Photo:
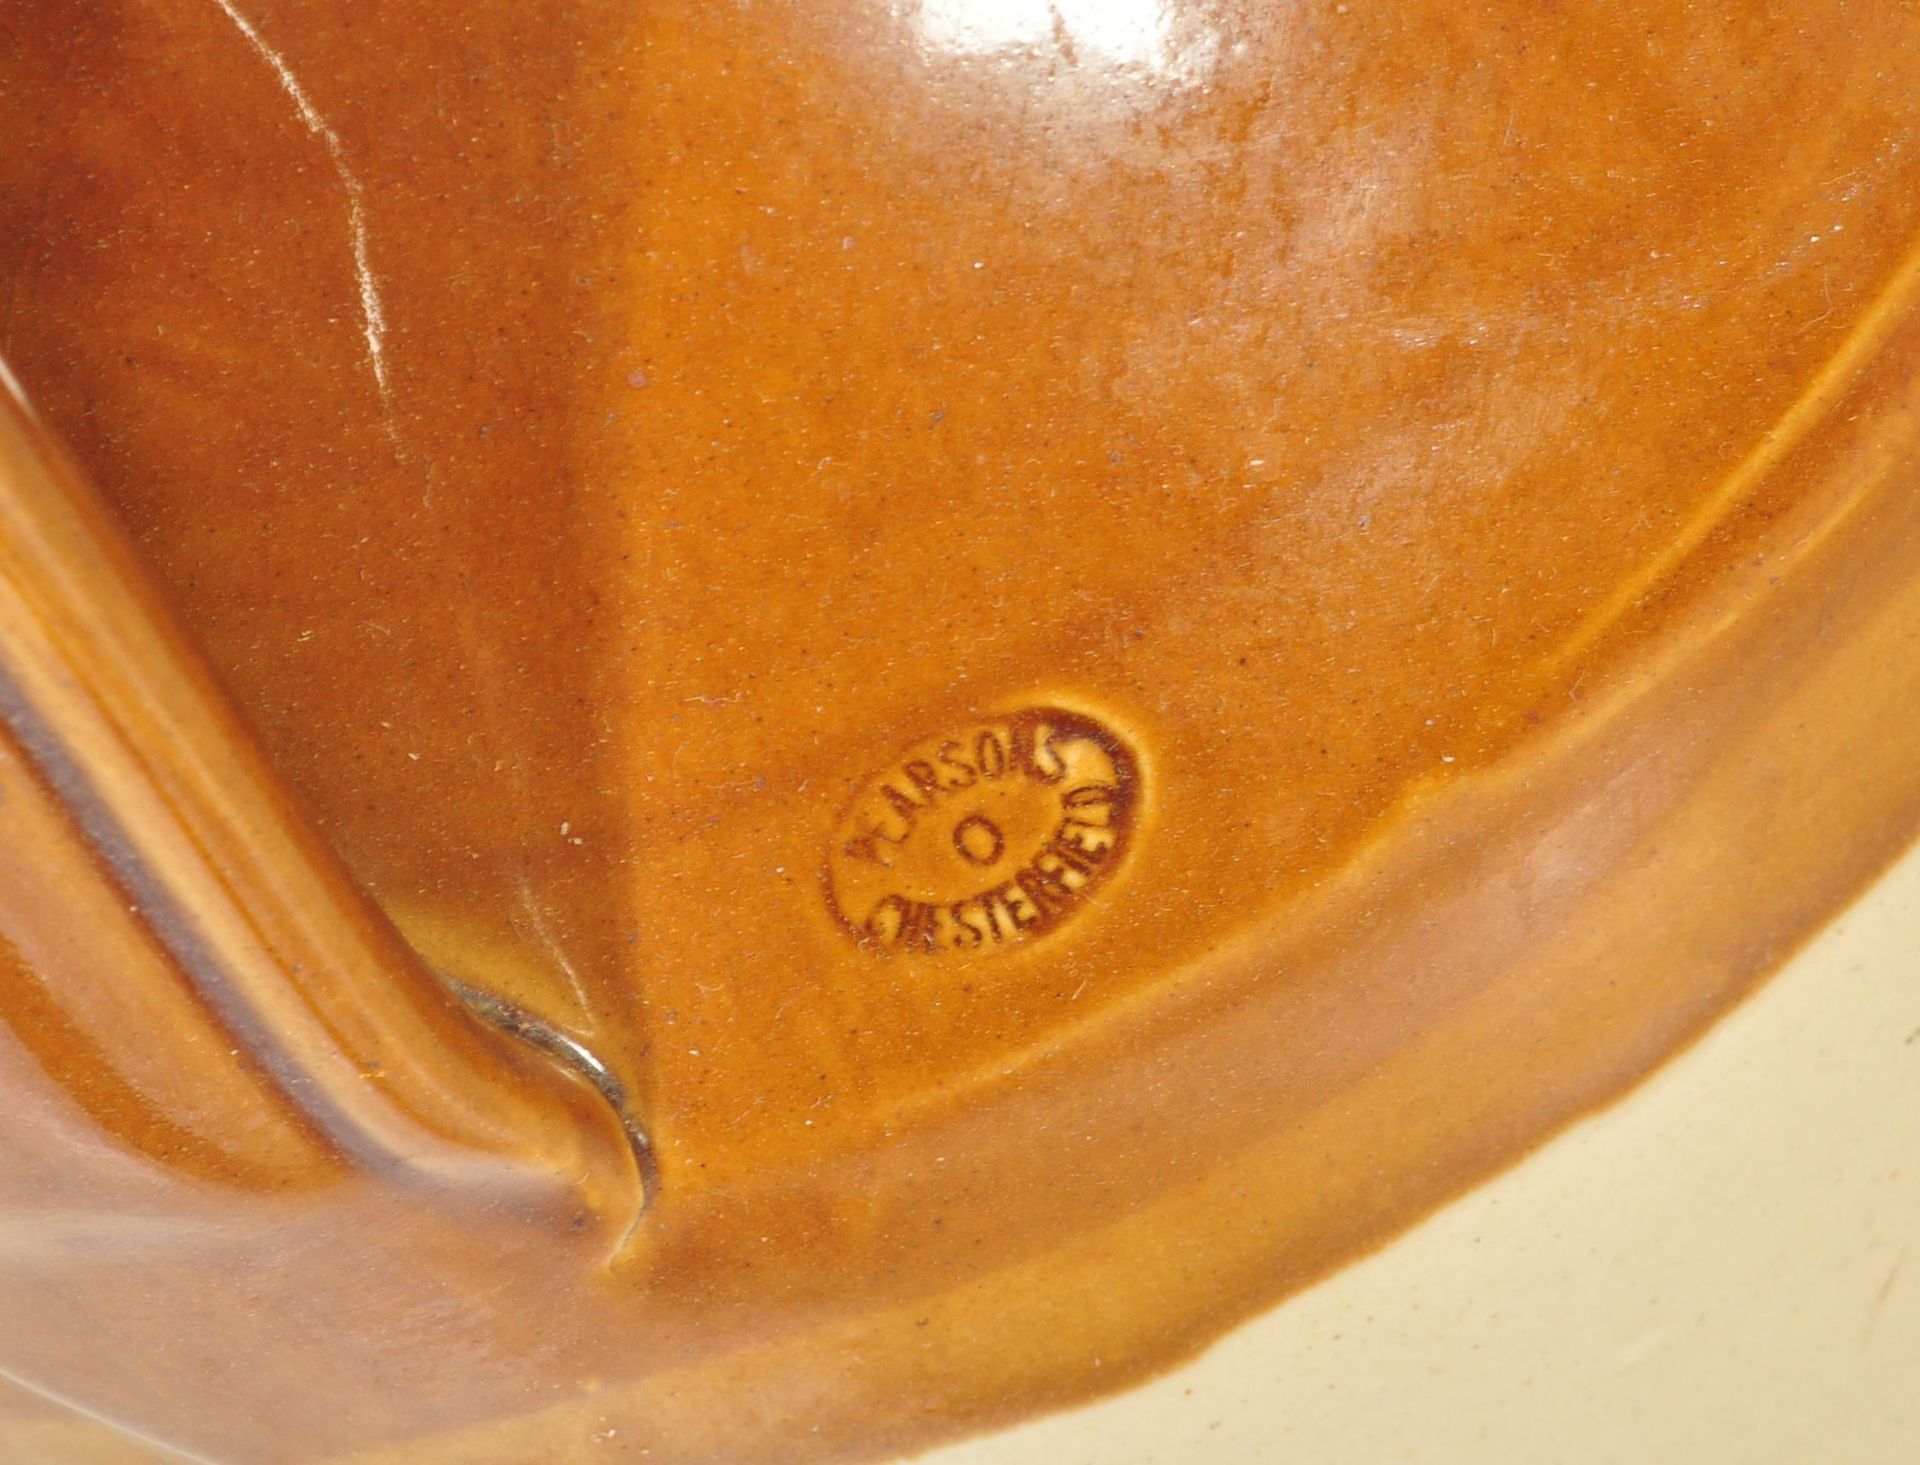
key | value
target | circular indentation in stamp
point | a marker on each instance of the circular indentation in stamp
(986, 837)
(979, 840)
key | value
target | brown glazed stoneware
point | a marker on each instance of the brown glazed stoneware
(770, 731)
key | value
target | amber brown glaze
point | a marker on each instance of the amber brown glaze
(1461, 456)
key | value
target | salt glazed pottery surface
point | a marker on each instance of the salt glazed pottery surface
(781, 731)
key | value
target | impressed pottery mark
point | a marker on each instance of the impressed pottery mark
(985, 838)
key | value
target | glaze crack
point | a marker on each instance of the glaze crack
(516, 1021)
(372, 311)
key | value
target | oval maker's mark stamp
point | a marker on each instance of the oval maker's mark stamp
(987, 837)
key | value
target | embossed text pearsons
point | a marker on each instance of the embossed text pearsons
(987, 837)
